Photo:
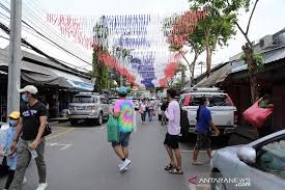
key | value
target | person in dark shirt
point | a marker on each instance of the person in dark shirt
(163, 109)
(203, 127)
(29, 137)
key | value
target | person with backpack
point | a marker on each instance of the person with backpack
(29, 138)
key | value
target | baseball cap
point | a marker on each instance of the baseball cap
(29, 88)
(14, 115)
(123, 90)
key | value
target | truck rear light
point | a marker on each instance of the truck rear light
(235, 117)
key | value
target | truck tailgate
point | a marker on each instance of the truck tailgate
(221, 115)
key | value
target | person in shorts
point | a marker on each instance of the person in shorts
(204, 124)
(171, 141)
(124, 111)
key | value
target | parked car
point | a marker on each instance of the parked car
(3, 129)
(259, 165)
(224, 113)
(91, 107)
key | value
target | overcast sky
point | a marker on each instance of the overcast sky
(268, 19)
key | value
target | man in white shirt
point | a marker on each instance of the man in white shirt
(171, 141)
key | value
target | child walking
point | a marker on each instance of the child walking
(8, 137)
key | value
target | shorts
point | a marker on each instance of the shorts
(172, 141)
(203, 141)
(123, 140)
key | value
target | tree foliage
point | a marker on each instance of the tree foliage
(100, 73)
(217, 27)
(100, 70)
(254, 62)
(194, 37)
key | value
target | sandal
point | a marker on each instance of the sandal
(169, 167)
(196, 163)
(176, 170)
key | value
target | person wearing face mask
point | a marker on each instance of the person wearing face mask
(29, 138)
(11, 160)
(203, 127)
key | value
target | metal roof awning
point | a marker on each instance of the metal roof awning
(41, 75)
(216, 77)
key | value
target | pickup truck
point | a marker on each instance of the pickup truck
(223, 111)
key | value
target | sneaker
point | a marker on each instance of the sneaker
(120, 164)
(25, 180)
(42, 186)
(125, 164)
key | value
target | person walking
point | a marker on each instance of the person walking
(171, 141)
(29, 138)
(204, 124)
(150, 109)
(124, 111)
(142, 111)
(7, 139)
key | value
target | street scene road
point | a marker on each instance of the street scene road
(210, 73)
(81, 158)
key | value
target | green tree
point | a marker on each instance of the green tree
(231, 8)
(100, 73)
(100, 70)
(217, 27)
(195, 39)
(254, 61)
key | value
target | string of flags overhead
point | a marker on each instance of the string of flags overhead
(145, 36)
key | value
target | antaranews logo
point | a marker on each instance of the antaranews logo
(197, 182)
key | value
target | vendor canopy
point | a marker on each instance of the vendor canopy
(39, 74)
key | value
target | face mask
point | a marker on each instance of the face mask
(13, 123)
(25, 97)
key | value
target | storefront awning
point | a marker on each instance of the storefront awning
(38, 74)
(216, 77)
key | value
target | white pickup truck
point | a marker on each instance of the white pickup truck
(223, 111)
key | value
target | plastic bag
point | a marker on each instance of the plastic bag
(256, 115)
(113, 133)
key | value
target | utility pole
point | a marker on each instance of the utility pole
(15, 56)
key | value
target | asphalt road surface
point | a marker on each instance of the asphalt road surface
(80, 158)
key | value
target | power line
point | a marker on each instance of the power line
(39, 33)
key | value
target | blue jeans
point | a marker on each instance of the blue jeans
(143, 115)
(150, 114)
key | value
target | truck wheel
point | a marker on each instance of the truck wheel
(99, 121)
(73, 122)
